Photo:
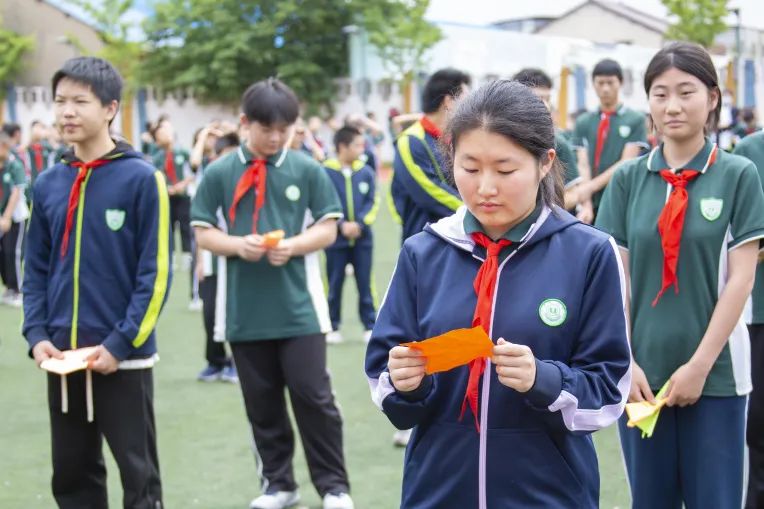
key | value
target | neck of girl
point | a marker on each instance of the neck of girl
(680, 152)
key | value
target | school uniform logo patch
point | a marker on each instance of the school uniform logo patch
(553, 312)
(711, 208)
(363, 187)
(292, 193)
(179, 160)
(624, 131)
(7, 178)
(115, 219)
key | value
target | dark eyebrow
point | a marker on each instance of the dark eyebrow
(473, 158)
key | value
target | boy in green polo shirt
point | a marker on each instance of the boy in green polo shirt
(276, 315)
(752, 147)
(605, 138)
(12, 183)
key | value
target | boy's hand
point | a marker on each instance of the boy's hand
(515, 365)
(45, 350)
(251, 248)
(407, 368)
(351, 230)
(5, 224)
(280, 255)
(102, 361)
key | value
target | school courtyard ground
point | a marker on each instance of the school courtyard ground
(204, 440)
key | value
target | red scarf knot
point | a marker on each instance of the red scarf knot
(485, 285)
(74, 197)
(253, 178)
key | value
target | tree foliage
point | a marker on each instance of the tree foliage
(698, 21)
(400, 34)
(12, 49)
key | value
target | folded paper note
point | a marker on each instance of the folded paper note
(453, 349)
(272, 239)
(644, 415)
(74, 360)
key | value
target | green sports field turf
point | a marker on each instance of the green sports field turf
(204, 441)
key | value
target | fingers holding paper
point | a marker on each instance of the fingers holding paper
(686, 385)
(102, 361)
(45, 350)
(406, 367)
(515, 365)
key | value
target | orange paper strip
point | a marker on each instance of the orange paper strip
(272, 239)
(453, 349)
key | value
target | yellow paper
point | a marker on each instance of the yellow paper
(644, 415)
(74, 360)
(454, 348)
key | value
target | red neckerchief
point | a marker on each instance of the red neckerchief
(169, 166)
(671, 223)
(430, 128)
(602, 129)
(74, 196)
(485, 285)
(38, 159)
(252, 178)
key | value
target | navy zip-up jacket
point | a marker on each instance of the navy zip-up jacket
(561, 294)
(112, 283)
(419, 189)
(357, 192)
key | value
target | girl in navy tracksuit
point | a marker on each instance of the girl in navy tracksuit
(549, 292)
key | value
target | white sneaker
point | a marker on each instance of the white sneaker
(334, 337)
(401, 438)
(339, 501)
(366, 336)
(277, 500)
(13, 299)
(195, 305)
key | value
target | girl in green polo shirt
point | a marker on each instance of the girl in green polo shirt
(686, 307)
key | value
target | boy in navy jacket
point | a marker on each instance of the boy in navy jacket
(97, 274)
(355, 186)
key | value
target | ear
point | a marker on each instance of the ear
(546, 166)
(111, 110)
(713, 98)
(243, 120)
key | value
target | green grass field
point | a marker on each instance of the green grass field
(204, 440)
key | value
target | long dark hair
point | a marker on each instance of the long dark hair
(692, 59)
(512, 110)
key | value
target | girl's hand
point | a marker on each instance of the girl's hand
(686, 385)
(407, 368)
(640, 389)
(515, 365)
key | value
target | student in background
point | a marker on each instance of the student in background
(355, 184)
(605, 138)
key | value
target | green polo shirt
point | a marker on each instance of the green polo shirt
(12, 176)
(752, 147)
(263, 301)
(516, 234)
(567, 158)
(626, 126)
(725, 210)
(182, 163)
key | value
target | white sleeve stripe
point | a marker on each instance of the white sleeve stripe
(578, 419)
(380, 388)
(202, 224)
